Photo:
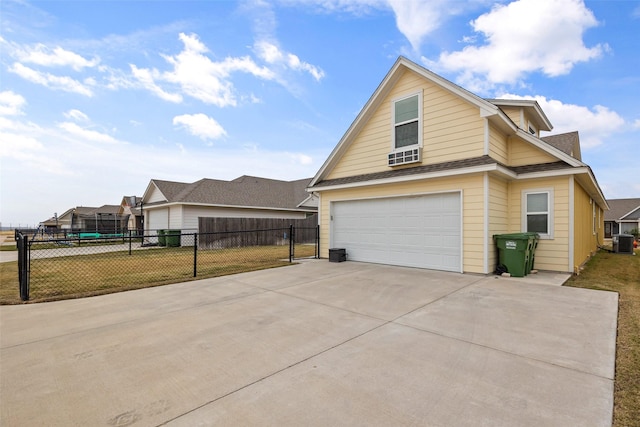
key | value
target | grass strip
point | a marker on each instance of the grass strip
(620, 273)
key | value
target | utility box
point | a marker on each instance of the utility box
(623, 243)
(337, 255)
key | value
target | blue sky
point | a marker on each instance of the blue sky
(99, 97)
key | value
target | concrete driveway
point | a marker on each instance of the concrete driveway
(315, 344)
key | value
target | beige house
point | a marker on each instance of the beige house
(428, 173)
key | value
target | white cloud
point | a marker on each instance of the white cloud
(204, 79)
(272, 54)
(200, 125)
(198, 76)
(76, 115)
(64, 83)
(521, 37)
(11, 103)
(595, 125)
(636, 123)
(87, 134)
(300, 158)
(415, 19)
(56, 57)
(146, 79)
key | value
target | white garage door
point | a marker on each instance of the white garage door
(419, 231)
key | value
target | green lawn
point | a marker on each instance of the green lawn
(621, 274)
(95, 274)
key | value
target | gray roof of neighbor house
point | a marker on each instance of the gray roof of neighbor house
(245, 191)
(568, 143)
(620, 208)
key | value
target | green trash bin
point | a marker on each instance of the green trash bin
(173, 238)
(514, 251)
(533, 244)
(162, 240)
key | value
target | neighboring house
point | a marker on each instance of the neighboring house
(428, 172)
(623, 217)
(130, 206)
(105, 219)
(178, 205)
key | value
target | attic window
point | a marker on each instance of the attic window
(532, 130)
(406, 122)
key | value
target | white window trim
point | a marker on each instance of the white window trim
(550, 215)
(393, 122)
(593, 217)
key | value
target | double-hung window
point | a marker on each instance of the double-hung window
(407, 130)
(406, 112)
(537, 212)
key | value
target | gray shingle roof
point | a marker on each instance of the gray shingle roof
(620, 207)
(245, 190)
(457, 164)
(568, 143)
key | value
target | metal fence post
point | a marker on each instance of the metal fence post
(195, 254)
(23, 266)
(129, 242)
(318, 241)
(291, 243)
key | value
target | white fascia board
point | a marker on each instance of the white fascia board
(552, 173)
(416, 177)
(208, 205)
(359, 121)
(151, 183)
(629, 213)
(532, 103)
(549, 149)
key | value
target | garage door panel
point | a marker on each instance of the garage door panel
(422, 231)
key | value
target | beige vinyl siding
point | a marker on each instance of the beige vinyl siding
(585, 242)
(498, 145)
(498, 215)
(515, 114)
(472, 210)
(175, 217)
(452, 130)
(551, 254)
(155, 196)
(522, 153)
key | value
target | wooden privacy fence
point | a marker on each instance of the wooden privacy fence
(218, 233)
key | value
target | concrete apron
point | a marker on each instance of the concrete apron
(314, 344)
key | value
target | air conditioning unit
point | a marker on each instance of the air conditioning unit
(622, 243)
(403, 157)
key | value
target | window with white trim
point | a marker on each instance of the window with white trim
(407, 122)
(593, 219)
(537, 212)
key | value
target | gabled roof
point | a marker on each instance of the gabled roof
(89, 210)
(531, 105)
(487, 109)
(244, 191)
(568, 143)
(621, 208)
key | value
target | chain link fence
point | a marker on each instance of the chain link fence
(78, 267)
